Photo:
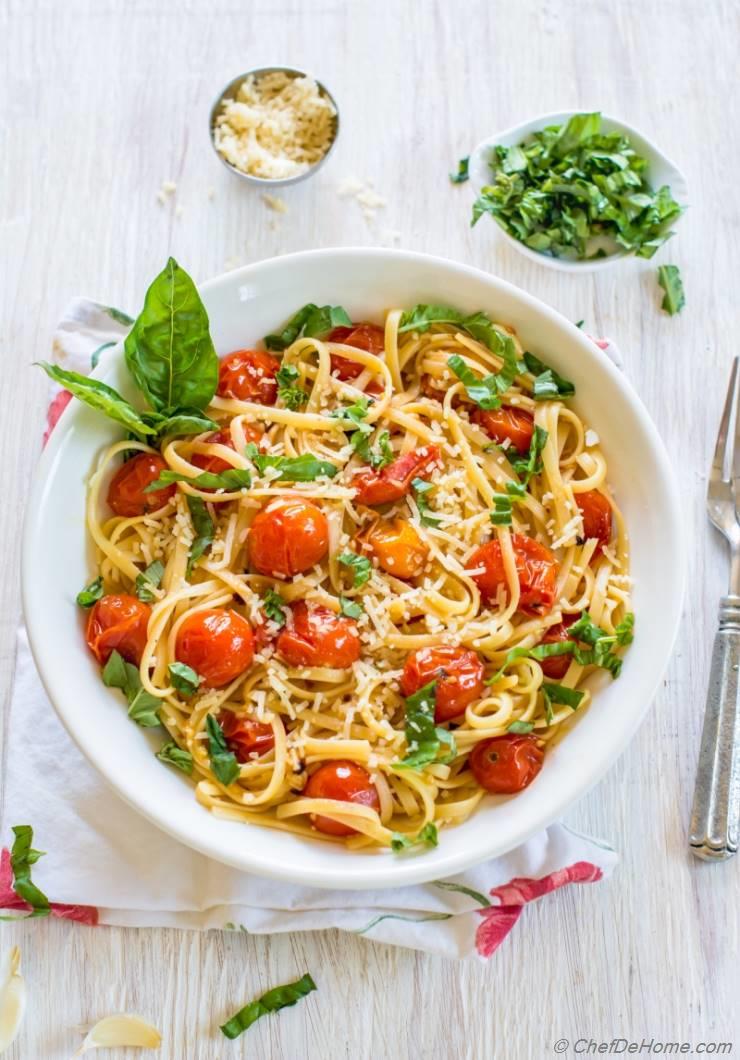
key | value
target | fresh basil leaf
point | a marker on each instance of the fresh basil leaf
(531, 464)
(22, 857)
(236, 478)
(548, 383)
(274, 607)
(293, 397)
(312, 321)
(361, 567)
(223, 761)
(101, 397)
(176, 756)
(204, 530)
(303, 468)
(275, 999)
(421, 317)
(143, 708)
(185, 421)
(426, 837)
(148, 580)
(169, 350)
(350, 608)
(554, 693)
(184, 678)
(91, 593)
(520, 727)
(461, 174)
(421, 487)
(674, 299)
(291, 331)
(423, 737)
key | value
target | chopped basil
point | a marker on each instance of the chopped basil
(274, 605)
(275, 999)
(426, 837)
(293, 397)
(91, 593)
(421, 317)
(236, 478)
(149, 580)
(423, 737)
(554, 693)
(547, 383)
(539, 652)
(303, 468)
(223, 761)
(361, 567)
(385, 454)
(176, 756)
(520, 726)
(624, 630)
(461, 174)
(501, 514)
(486, 391)
(350, 608)
(531, 464)
(22, 857)
(355, 413)
(421, 487)
(184, 678)
(143, 708)
(313, 321)
(204, 530)
(669, 278)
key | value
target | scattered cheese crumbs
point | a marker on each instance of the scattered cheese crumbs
(121, 1030)
(211, 193)
(591, 437)
(275, 203)
(167, 188)
(364, 194)
(277, 126)
(178, 211)
(12, 999)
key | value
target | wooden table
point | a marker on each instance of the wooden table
(104, 101)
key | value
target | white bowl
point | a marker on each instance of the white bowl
(661, 170)
(244, 305)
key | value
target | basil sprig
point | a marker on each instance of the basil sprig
(310, 321)
(423, 738)
(427, 837)
(204, 530)
(176, 756)
(91, 593)
(143, 708)
(223, 761)
(674, 299)
(22, 857)
(148, 581)
(275, 999)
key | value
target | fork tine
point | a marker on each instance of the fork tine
(736, 444)
(720, 451)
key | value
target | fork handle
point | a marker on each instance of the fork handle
(715, 818)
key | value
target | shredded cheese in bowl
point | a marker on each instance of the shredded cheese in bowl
(277, 125)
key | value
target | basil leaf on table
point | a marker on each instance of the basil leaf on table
(176, 756)
(674, 299)
(275, 999)
(461, 174)
(223, 761)
(204, 530)
(169, 350)
(423, 737)
(22, 857)
(143, 708)
(101, 397)
(91, 593)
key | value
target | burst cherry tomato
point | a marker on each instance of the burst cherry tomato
(507, 422)
(536, 567)
(367, 337)
(118, 622)
(126, 494)
(245, 736)
(394, 480)
(556, 666)
(287, 537)
(216, 465)
(398, 548)
(507, 764)
(597, 516)
(345, 782)
(457, 672)
(249, 375)
(316, 636)
(217, 644)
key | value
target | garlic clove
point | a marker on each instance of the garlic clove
(12, 999)
(121, 1030)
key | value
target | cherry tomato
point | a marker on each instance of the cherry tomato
(536, 567)
(363, 337)
(597, 516)
(216, 465)
(287, 537)
(245, 736)
(217, 644)
(507, 764)
(345, 782)
(118, 622)
(316, 636)
(556, 666)
(126, 491)
(398, 548)
(457, 671)
(507, 422)
(249, 375)
(393, 481)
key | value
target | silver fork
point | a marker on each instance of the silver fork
(715, 817)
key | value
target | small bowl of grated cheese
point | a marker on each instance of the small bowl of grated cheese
(274, 125)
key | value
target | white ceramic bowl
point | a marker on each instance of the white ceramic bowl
(661, 170)
(243, 306)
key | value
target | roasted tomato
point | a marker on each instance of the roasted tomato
(215, 464)
(363, 337)
(556, 666)
(316, 636)
(508, 422)
(506, 764)
(118, 622)
(393, 481)
(249, 375)
(287, 537)
(126, 494)
(217, 644)
(597, 516)
(457, 671)
(398, 548)
(245, 736)
(536, 566)
(344, 782)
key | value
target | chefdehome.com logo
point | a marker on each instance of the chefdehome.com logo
(643, 1047)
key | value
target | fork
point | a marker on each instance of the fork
(715, 817)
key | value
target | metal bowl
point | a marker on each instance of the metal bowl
(230, 91)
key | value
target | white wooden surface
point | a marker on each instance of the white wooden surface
(101, 102)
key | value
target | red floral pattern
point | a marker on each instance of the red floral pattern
(84, 914)
(54, 411)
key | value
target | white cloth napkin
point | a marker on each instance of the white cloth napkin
(106, 865)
